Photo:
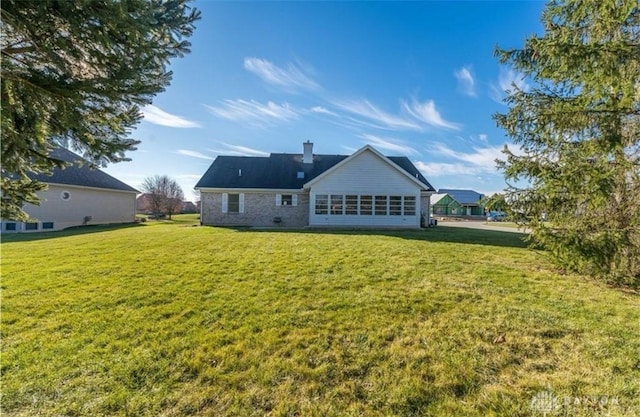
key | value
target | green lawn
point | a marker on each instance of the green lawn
(167, 319)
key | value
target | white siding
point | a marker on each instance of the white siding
(366, 174)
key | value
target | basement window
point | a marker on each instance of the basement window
(31, 226)
(47, 225)
(10, 226)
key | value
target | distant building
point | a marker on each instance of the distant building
(448, 202)
(79, 194)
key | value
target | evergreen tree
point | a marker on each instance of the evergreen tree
(76, 73)
(578, 129)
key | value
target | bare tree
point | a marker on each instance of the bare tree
(165, 195)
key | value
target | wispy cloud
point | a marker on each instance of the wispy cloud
(193, 154)
(376, 117)
(253, 112)
(480, 160)
(507, 78)
(426, 112)
(322, 110)
(243, 150)
(466, 83)
(390, 144)
(291, 78)
(481, 157)
(157, 116)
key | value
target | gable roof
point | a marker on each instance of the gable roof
(280, 171)
(462, 196)
(85, 175)
(403, 165)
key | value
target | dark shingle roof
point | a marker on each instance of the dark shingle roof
(463, 196)
(280, 171)
(85, 175)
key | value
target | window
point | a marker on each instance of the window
(395, 205)
(47, 225)
(31, 226)
(322, 204)
(300, 175)
(287, 199)
(337, 204)
(381, 205)
(234, 203)
(351, 205)
(365, 205)
(10, 226)
(409, 206)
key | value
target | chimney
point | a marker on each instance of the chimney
(307, 157)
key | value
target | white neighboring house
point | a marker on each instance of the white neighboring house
(365, 189)
(77, 195)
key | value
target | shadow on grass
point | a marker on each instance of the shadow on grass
(435, 234)
(71, 231)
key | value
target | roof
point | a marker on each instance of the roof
(280, 171)
(434, 198)
(80, 173)
(463, 196)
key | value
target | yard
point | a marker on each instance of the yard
(168, 319)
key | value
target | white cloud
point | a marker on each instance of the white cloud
(483, 137)
(254, 112)
(293, 77)
(322, 110)
(389, 144)
(380, 119)
(427, 113)
(193, 154)
(157, 116)
(480, 160)
(243, 150)
(507, 78)
(466, 83)
(483, 158)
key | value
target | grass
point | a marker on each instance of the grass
(166, 319)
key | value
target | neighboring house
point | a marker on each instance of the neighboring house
(365, 189)
(188, 207)
(457, 203)
(77, 195)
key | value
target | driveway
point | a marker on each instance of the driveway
(483, 225)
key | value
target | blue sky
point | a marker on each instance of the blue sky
(415, 79)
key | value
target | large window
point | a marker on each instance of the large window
(31, 226)
(351, 205)
(366, 205)
(337, 204)
(322, 204)
(409, 205)
(381, 205)
(10, 226)
(395, 205)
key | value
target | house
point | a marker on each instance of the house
(77, 195)
(449, 202)
(365, 189)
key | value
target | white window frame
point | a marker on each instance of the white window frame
(225, 203)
